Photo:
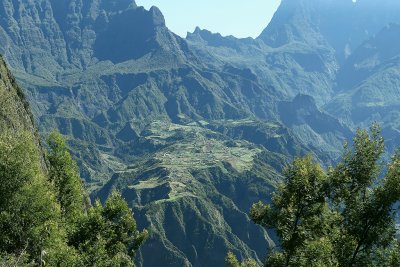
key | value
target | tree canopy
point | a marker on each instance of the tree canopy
(342, 216)
(45, 218)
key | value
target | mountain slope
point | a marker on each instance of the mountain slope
(286, 71)
(30, 218)
(189, 195)
(15, 113)
(368, 85)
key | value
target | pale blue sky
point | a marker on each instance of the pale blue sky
(241, 18)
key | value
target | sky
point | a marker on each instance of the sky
(240, 18)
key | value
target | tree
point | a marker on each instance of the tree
(364, 201)
(64, 174)
(232, 261)
(30, 218)
(108, 236)
(43, 217)
(18, 164)
(102, 235)
(340, 217)
(21, 260)
(299, 214)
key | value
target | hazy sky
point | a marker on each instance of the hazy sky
(241, 18)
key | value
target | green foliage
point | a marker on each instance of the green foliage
(21, 260)
(41, 215)
(108, 235)
(364, 203)
(232, 261)
(30, 220)
(103, 236)
(64, 174)
(18, 164)
(343, 217)
(296, 212)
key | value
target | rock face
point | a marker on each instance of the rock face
(46, 37)
(15, 114)
(193, 131)
(368, 84)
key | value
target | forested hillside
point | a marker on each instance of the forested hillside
(46, 218)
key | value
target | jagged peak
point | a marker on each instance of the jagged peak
(118, 5)
(158, 17)
(206, 37)
(203, 34)
(197, 30)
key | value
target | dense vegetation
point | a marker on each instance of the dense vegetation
(45, 218)
(344, 216)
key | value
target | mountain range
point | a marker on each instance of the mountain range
(194, 130)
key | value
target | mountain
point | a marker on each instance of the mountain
(368, 85)
(317, 129)
(347, 65)
(193, 131)
(368, 80)
(287, 70)
(139, 108)
(188, 192)
(316, 23)
(364, 41)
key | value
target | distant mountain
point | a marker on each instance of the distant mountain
(368, 58)
(307, 50)
(368, 84)
(316, 128)
(341, 25)
(288, 70)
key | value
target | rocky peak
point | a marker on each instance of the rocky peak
(157, 17)
(209, 38)
(44, 37)
(130, 34)
(117, 5)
